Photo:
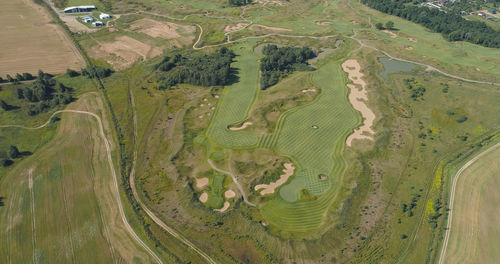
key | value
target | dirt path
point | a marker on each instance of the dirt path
(113, 172)
(452, 197)
(157, 220)
(245, 199)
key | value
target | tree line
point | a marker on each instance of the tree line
(201, 69)
(239, 2)
(452, 26)
(278, 62)
(26, 76)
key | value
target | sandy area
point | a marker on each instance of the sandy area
(124, 51)
(166, 30)
(269, 188)
(262, 27)
(245, 125)
(412, 39)
(224, 208)
(229, 194)
(308, 90)
(323, 23)
(390, 33)
(408, 48)
(358, 97)
(202, 182)
(235, 27)
(204, 197)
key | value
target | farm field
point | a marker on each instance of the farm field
(59, 210)
(474, 231)
(31, 42)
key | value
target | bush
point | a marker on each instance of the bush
(461, 118)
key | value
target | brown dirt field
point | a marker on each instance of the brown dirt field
(30, 42)
(262, 27)
(166, 30)
(269, 188)
(124, 51)
(76, 26)
(358, 98)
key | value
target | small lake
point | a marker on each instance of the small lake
(394, 66)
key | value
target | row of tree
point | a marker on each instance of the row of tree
(239, 2)
(12, 153)
(452, 26)
(278, 62)
(18, 77)
(204, 70)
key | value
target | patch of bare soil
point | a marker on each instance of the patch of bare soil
(75, 26)
(390, 33)
(224, 208)
(245, 125)
(412, 39)
(408, 48)
(202, 182)
(238, 26)
(166, 30)
(269, 188)
(308, 90)
(124, 51)
(323, 23)
(262, 27)
(358, 97)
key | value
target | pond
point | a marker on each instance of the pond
(394, 66)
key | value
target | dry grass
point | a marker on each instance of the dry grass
(31, 42)
(166, 30)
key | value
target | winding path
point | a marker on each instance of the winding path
(113, 172)
(245, 199)
(156, 219)
(452, 197)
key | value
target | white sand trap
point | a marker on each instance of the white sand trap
(205, 99)
(202, 182)
(229, 194)
(390, 33)
(308, 90)
(216, 97)
(412, 39)
(241, 127)
(224, 208)
(358, 98)
(204, 197)
(212, 108)
(269, 188)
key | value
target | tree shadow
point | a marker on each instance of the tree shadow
(233, 76)
(25, 153)
(1, 201)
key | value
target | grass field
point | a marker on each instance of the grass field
(30, 41)
(59, 210)
(474, 232)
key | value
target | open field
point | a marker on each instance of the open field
(59, 210)
(30, 41)
(474, 232)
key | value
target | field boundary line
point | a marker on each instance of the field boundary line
(452, 197)
(33, 220)
(156, 219)
(113, 173)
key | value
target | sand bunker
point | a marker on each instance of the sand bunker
(229, 194)
(125, 51)
(224, 208)
(390, 33)
(269, 188)
(308, 90)
(235, 27)
(202, 182)
(241, 127)
(204, 197)
(323, 23)
(262, 27)
(408, 48)
(166, 30)
(358, 98)
(412, 39)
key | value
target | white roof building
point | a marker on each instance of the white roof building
(78, 9)
(104, 16)
(97, 24)
(87, 19)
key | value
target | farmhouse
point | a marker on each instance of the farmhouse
(88, 19)
(98, 24)
(104, 16)
(79, 9)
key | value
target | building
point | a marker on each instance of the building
(491, 10)
(481, 14)
(98, 24)
(88, 19)
(79, 9)
(104, 16)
